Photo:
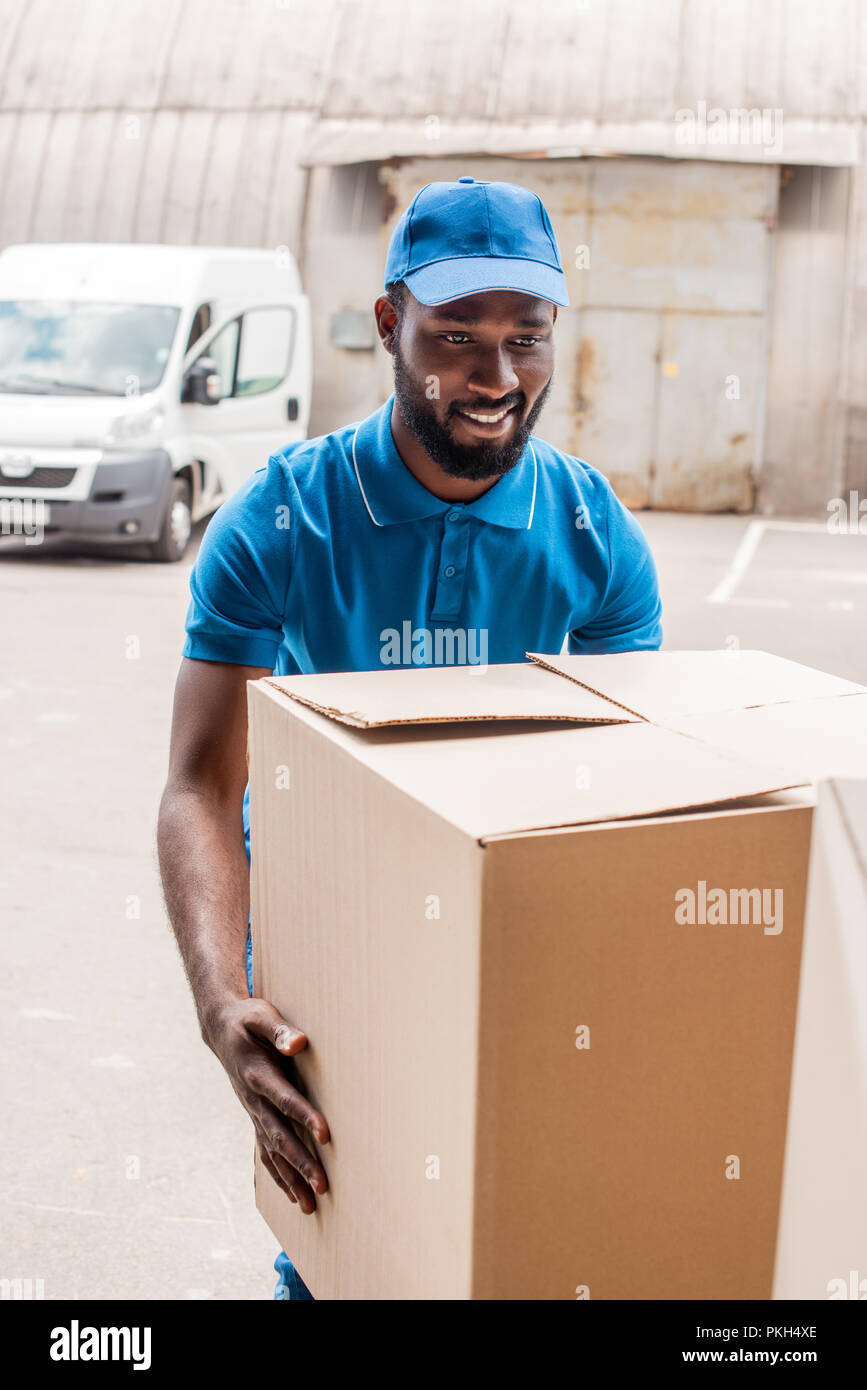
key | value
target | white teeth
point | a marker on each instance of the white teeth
(487, 419)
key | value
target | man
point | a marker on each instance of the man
(440, 508)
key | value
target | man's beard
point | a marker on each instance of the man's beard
(476, 462)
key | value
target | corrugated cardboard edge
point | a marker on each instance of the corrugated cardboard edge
(353, 719)
(540, 661)
(667, 720)
(356, 720)
(692, 808)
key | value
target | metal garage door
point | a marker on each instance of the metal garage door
(661, 358)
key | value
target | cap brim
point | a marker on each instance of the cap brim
(444, 280)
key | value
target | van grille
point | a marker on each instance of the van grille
(40, 477)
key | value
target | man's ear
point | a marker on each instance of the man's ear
(387, 321)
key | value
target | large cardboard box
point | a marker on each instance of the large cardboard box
(542, 925)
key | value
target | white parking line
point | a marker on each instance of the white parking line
(740, 564)
(743, 558)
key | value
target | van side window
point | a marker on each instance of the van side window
(266, 346)
(201, 322)
(224, 350)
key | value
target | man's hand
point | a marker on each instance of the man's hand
(206, 880)
(251, 1039)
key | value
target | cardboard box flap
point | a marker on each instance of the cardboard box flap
(659, 686)
(509, 777)
(820, 741)
(438, 694)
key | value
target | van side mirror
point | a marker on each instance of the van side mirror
(202, 384)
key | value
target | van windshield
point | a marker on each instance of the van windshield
(69, 348)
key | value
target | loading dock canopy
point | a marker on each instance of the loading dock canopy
(810, 141)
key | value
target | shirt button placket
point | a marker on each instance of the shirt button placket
(452, 569)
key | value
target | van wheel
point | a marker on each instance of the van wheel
(177, 525)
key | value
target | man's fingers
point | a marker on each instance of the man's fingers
(271, 1167)
(273, 1086)
(265, 1022)
(281, 1140)
(300, 1191)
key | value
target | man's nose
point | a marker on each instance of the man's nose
(493, 374)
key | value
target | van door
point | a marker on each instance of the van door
(263, 356)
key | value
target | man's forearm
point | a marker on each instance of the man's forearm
(206, 882)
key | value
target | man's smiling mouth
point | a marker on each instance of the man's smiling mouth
(487, 419)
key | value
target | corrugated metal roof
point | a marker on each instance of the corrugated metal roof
(191, 120)
(476, 60)
(147, 54)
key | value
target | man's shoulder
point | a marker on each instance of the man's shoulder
(305, 459)
(568, 475)
(300, 467)
(576, 487)
(302, 452)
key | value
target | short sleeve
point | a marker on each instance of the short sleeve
(630, 615)
(241, 575)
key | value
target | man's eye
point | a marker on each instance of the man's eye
(465, 338)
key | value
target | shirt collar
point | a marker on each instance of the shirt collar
(392, 494)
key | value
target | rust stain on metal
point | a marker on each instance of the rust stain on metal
(389, 178)
(718, 487)
(584, 379)
(390, 203)
(572, 202)
(586, 363)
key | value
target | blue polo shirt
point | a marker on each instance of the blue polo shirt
(333, 557)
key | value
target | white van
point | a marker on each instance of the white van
(141, 384)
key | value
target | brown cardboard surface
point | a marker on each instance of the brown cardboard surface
(505, 777)
(622, 1146)
(422, 695)
(665, 685)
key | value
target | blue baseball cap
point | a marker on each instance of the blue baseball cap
(464, 237)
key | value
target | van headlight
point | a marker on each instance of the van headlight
(136, 425)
